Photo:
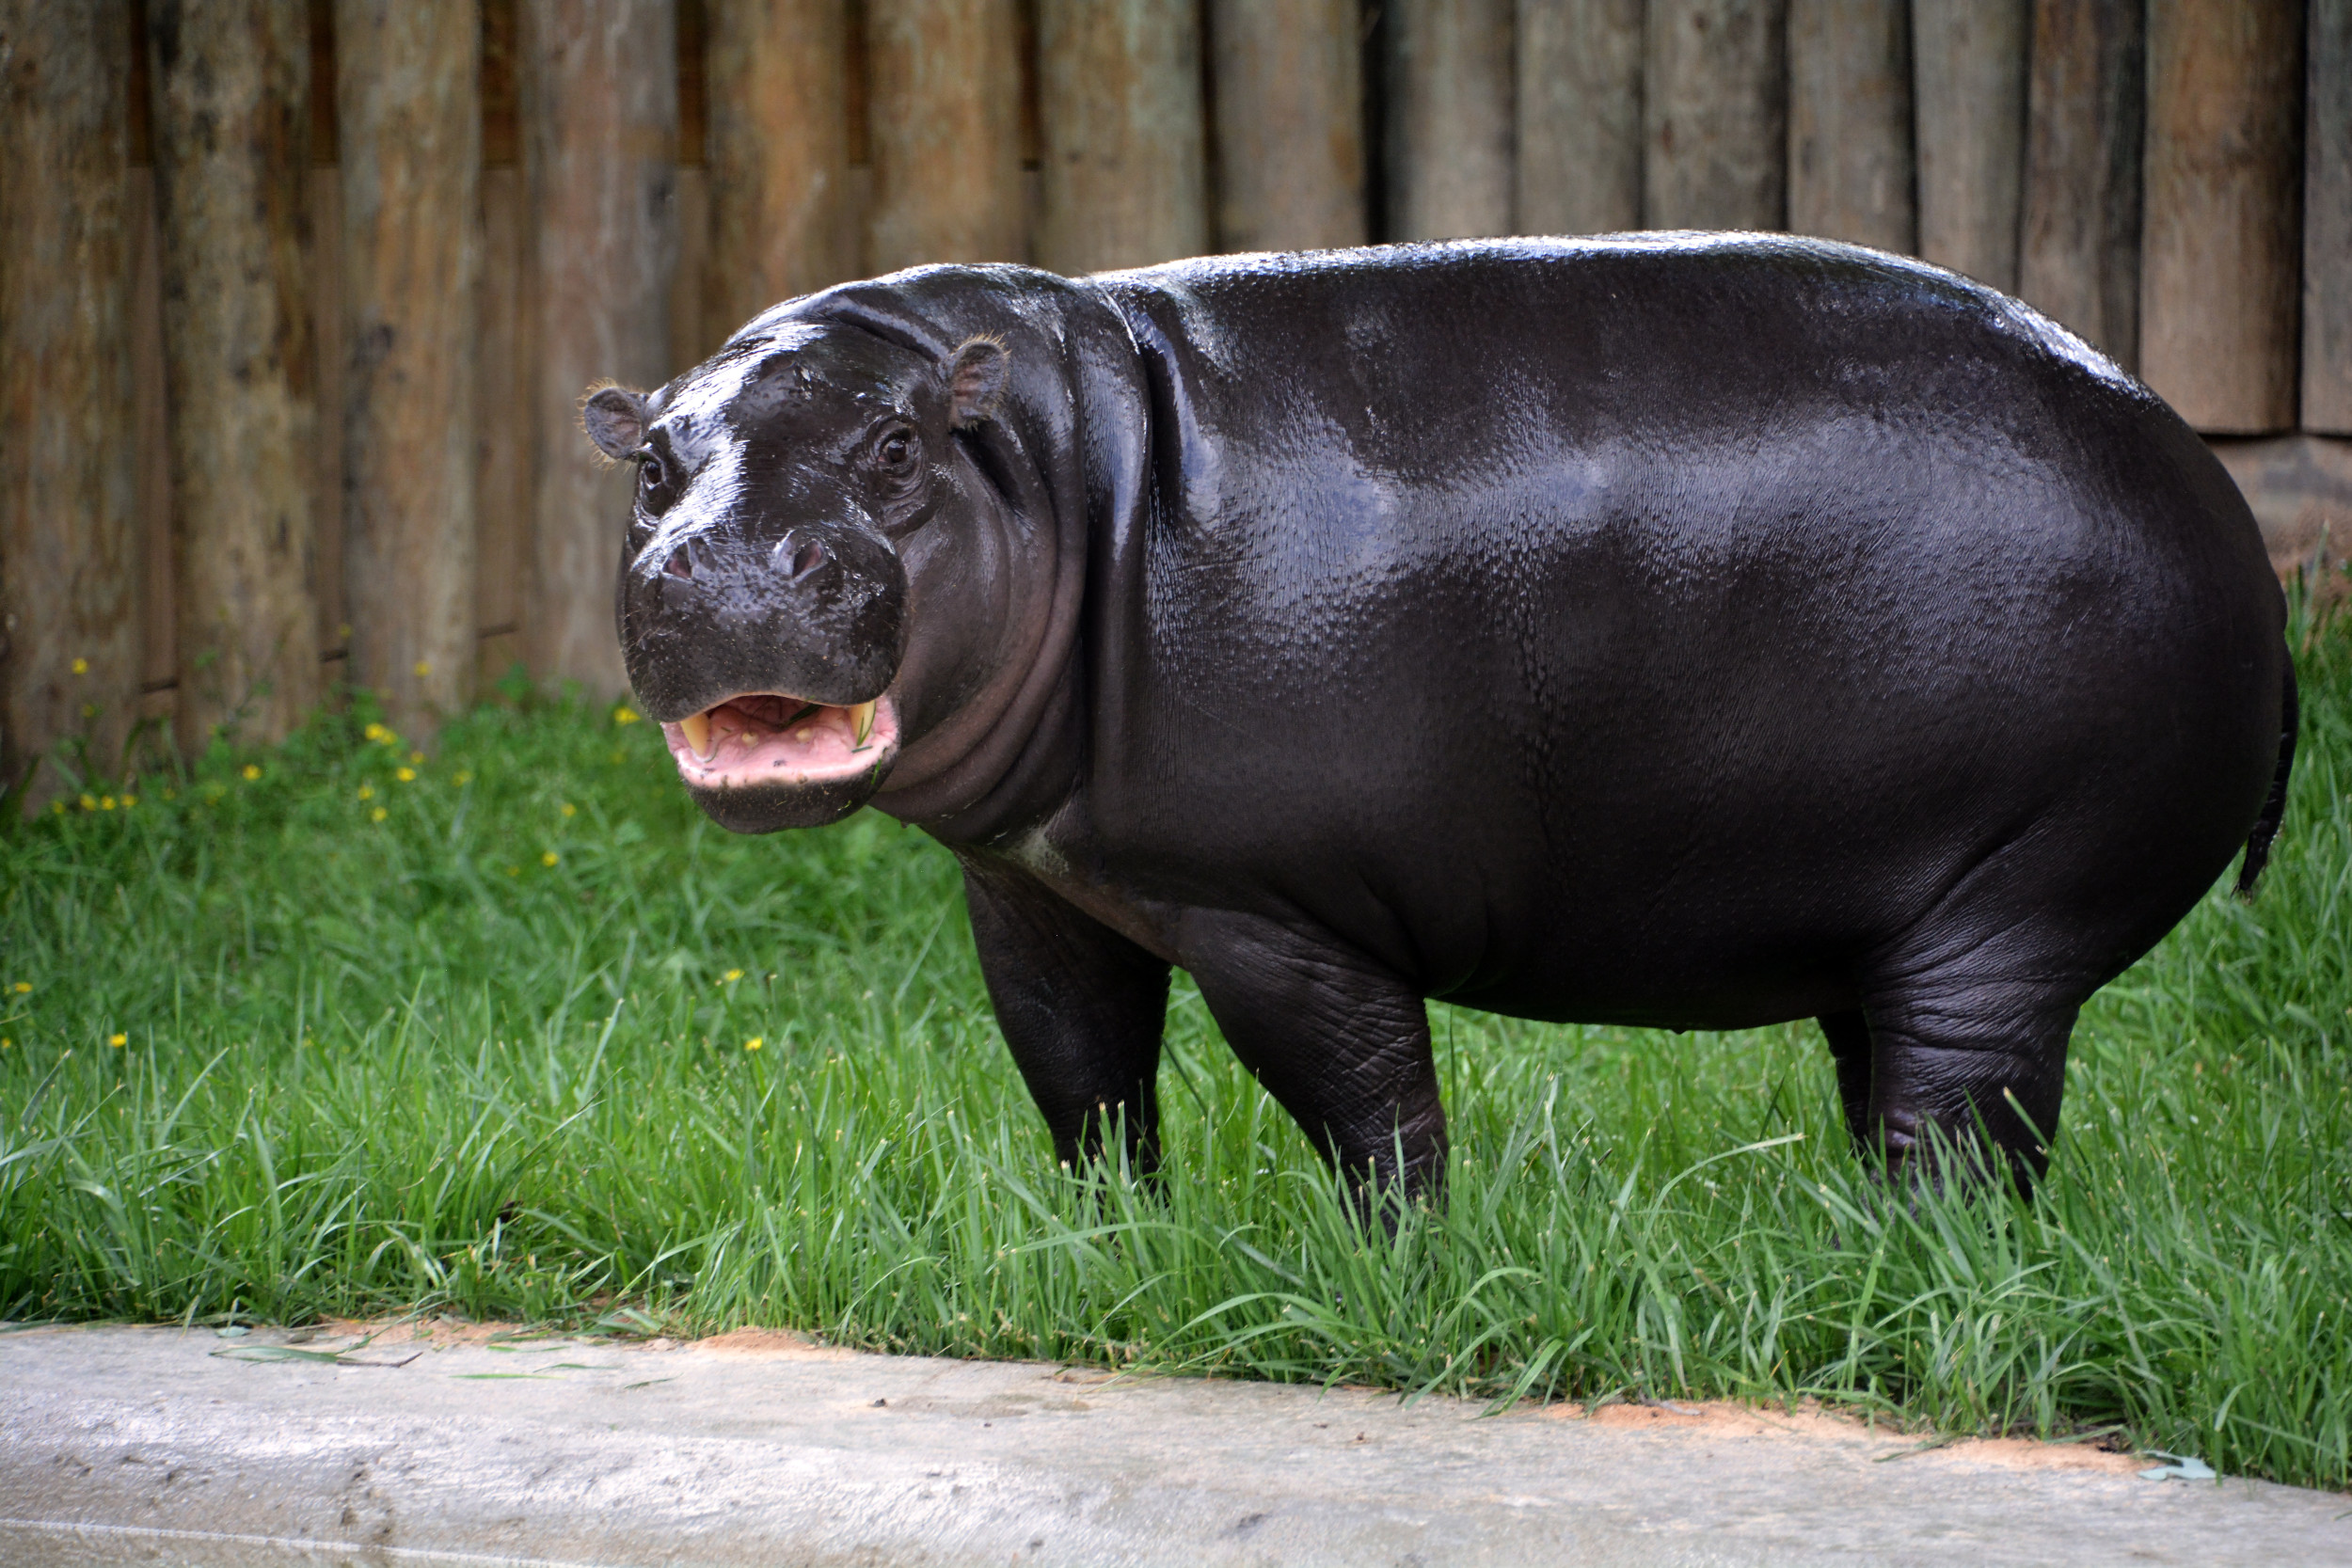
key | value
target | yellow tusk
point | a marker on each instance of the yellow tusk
(862, 721)
(696, 728)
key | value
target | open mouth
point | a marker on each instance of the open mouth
(763, 737)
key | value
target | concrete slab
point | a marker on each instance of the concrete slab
(145, 1445)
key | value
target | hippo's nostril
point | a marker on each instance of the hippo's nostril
(679, 565)
(806, 555)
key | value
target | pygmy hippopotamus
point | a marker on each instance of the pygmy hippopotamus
(1688, 631)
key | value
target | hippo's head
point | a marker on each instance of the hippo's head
(800, 499)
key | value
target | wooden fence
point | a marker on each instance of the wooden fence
(297, 297)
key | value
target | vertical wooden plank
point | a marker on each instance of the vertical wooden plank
(159, 654)
(1968, 86)
(2078, 247)
(1849, 169)
(599, 105)
(2221, 244)
(777, 155)
(69, 556)
(409, 110)
(1715, 114)
(1450, 118)
(2327, 222)
(1124, 150)
(231, 99)
(944, 126)
(323, 276)
(1579, 100)
(1290, 123)
(502, 402)
(688, 317)
(503, 387)
(322, 271)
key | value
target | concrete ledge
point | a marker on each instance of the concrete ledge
(142, 1445)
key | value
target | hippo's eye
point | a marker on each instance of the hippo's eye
(893, 454)
(650, 473)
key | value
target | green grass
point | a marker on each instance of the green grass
(487, 1054)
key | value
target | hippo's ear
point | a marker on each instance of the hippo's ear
(614, 419)
(976, 379)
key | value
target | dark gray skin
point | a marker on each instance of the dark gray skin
(1686, 631)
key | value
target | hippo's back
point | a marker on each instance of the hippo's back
(1671, 629)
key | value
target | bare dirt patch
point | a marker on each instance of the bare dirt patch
(1811, 1423)
(768, 1342)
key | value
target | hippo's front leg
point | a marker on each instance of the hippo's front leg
(1082, 1008)
(1335, 1035)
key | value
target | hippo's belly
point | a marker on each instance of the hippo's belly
(1680, 738)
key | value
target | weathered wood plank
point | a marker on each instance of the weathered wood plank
(600, 102)
(776, 149)
(323, 271)
(2327, 222)
(944, 123)
(68, 541)
(1450, 118)
(503, 385)
(1124, 142)
(159, 654)
(2079, 249)
(1968, 87)
(502, 401)
(1290, 123)
(1715, 114)
(1579, 102)
(230, 95)
(1850, 167)
(2220, 244)
(408, 102)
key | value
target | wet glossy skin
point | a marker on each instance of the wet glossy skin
(1695, 633)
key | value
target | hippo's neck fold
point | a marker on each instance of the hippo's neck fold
(1066, 454)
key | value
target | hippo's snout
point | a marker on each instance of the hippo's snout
(766, 660)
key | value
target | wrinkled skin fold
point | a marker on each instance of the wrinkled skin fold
(1686, 631)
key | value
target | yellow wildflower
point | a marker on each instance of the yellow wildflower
(424, 669)
(407, 775)
(732, 976)
(625, 714)
(88, 804)
(117, 1040)
(81, 666)
(23, 986)
(105, 802)
(376, 816)
(367, 792)
(569, 810)
(373, 732)
(549, 858)
(752, 1044)
(252, 771)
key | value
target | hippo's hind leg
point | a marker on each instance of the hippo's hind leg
(1334, 1036)
(1082, 1008)
(1974, 1057)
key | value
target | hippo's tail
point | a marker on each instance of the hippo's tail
(2266, 825)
